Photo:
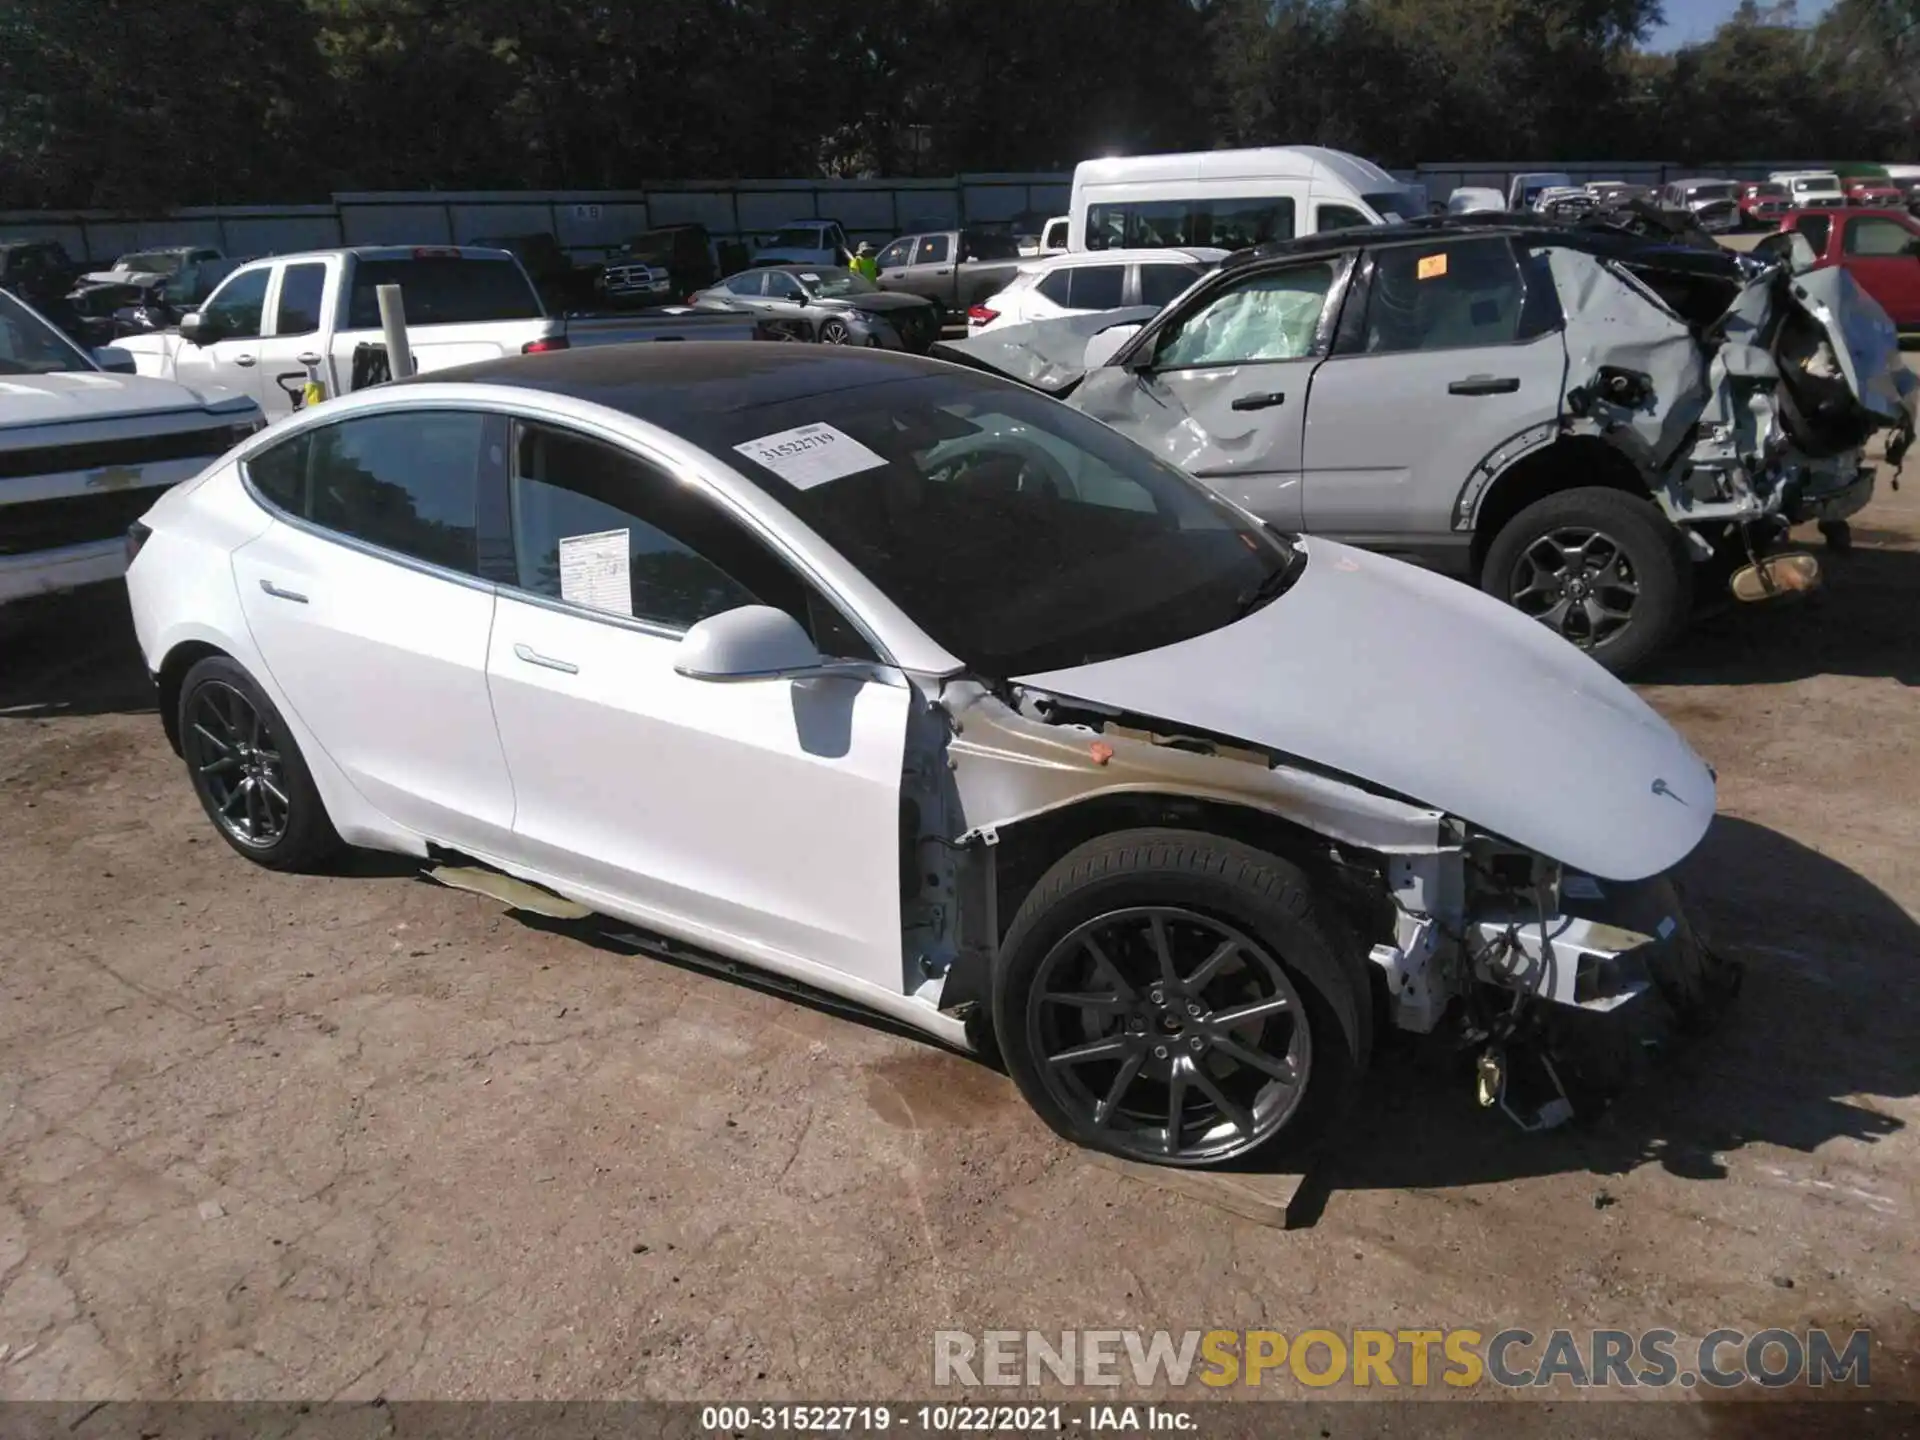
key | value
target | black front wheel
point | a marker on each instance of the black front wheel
(1171, 997)
(1603, 569)
(248, 772)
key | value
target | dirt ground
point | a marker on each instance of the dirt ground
(358, 1136)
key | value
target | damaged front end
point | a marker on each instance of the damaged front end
(1555, 980)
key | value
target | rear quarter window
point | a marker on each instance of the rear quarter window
(442, 290)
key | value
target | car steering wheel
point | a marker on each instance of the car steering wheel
(1038, 468)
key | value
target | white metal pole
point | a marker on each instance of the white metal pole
(393, 326)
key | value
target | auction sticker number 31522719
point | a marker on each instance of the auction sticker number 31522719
(810, 455)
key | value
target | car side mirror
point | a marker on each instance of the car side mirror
(115, 361)
(754, 642)
(195, 330)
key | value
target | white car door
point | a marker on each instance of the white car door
(758, 818)
(229, 353)
(366, 603)
(291, 343)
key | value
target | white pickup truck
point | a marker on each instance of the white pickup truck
(84, 452)
(274, 318)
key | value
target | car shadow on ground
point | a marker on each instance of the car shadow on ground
(72, 655)
(1864, 621)
(1824, 1024)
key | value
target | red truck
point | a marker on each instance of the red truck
(1762, 203)
(1879, 248)
(1875, 191)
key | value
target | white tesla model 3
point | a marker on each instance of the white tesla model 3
(904, 683)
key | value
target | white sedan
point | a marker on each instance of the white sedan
(907, 684)
(1089, 281)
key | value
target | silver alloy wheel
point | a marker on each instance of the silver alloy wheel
(834, 332)
(237, 761)
(1170, 1032)
(1578, 582)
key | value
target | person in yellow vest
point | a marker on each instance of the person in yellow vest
(863, 262)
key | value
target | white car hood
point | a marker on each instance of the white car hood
(1426, 687)
(96, 395)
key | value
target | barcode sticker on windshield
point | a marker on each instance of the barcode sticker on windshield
(810, 455)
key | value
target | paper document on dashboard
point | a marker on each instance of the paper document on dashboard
(597, 570)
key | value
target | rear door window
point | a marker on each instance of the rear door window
(1874, 235)
(934, 250)
(1162, 284)
(1443, 297)
(1096, 287)
(297, 311)
(403, 481)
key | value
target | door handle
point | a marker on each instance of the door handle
(1485, 385)
(545, 662)
(308, 358)
(279, 594)
(943, 271)
(243, 360)
(1260, 402)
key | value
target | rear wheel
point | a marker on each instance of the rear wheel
(1171, 997)
(1601, 568)
(248, 772)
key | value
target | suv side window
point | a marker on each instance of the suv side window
(1446, 297)
(234, 311)
(687, 560)
(1054, 284)
(1097, 287)
(403, 481)
(1876, 235)
(1273, 315)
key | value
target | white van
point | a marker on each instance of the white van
(1230, 199)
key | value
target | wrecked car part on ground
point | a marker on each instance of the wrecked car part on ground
(905, 684)
(1578, 419)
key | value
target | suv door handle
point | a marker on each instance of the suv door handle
(545, 662)
(279, 594)
(1260, 402)
(1485, 385)
(243, 360)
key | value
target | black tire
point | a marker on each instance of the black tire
(835, 332)
(248, 772)
(1630, 538)
(1210, 895)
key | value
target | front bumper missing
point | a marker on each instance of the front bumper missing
(1623, 969)
(1610, 945)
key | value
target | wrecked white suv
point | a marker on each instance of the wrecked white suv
(907, 684)
(1583, 421)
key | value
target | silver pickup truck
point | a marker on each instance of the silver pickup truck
(954, 268)
(277, 322)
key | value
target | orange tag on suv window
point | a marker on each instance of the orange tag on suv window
(1430, 266)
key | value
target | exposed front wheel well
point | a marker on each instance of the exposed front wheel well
(173, 670)
(1572, 462)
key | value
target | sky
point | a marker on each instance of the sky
(1689, 21)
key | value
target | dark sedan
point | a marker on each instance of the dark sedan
(830, 305)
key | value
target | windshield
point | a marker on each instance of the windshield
(1816, 182)
(801, 237)
(1711, 192)
(1392, 205)
(30, 346)
(1767, 192)
(829, 283)
(1019, 534)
